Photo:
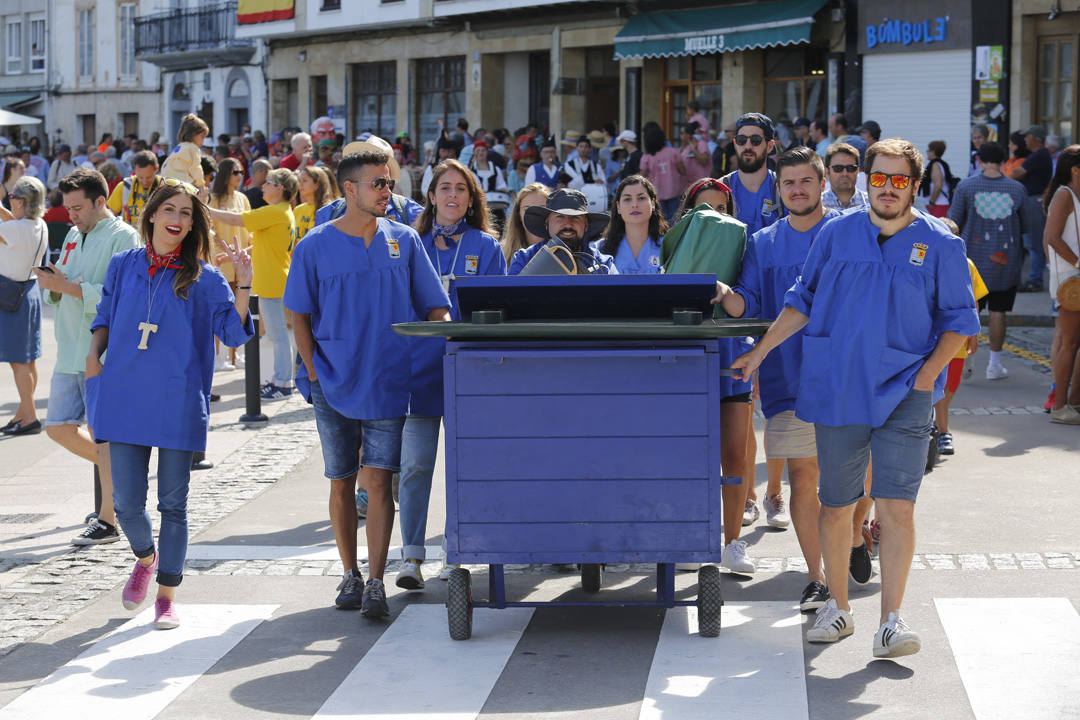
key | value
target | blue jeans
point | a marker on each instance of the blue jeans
(1033, 240)
(419, 446)
(130, 470)
(272, 312)
(343, 438)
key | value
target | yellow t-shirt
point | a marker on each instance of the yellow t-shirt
(272, 230)
(979, 287)
(237, 202)
(137, 196)
(305, 220)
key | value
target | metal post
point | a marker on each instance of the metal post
(97, 489)
(252, 371)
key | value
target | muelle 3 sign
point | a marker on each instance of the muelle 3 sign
(704, 44)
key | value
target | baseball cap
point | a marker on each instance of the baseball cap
(1037, 130)
(756, 120)
(801, 122)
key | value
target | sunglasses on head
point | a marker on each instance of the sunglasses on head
(754, 140)
(173, 182)
(900, 182)
(844, 168)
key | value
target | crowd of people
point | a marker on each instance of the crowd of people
(340, 240)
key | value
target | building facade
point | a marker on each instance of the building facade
(24, 70)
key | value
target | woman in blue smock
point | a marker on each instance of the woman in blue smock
(455, 233)
(160, 309)
(738, 443)
(636, 230)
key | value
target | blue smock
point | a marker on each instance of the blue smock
(412, 209)
(773, 260)
(522, 257)
(476, 253)
(160, 396)
(876, 314)
(353, 295)
(758, 209)
(646, 263)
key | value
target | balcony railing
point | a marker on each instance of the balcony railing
(191, 37)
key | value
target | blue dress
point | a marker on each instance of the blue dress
(476, 253)
(646, 263)
(876, 314)
(354, 294)
(160, 396)
(773, 260)
(758, 209)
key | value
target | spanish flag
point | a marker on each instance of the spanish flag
(257, 11)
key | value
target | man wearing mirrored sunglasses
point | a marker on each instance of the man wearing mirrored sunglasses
(842, 168)
(885, 296)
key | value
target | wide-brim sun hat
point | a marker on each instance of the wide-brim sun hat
(564, 202)
(374, 142)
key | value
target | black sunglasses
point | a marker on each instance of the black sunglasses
(378, 184)
(844, 168)
(754, 140)
(237, 172)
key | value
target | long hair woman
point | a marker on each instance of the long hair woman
(516, 237)
(161, 307)
(1062, 239)
(225, 194)
(454, 230)
(636, 229)
(315, 189)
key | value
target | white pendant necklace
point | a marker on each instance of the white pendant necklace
(148, 327)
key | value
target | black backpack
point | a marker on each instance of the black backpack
(951, 181)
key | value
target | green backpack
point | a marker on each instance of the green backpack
(705, 241)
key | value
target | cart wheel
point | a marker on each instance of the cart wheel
(592, 577)
(709, 601)
(459, 605)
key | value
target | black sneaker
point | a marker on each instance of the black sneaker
(350, 596)
(98, 532)
(814, 596)
(375, 599)
(860, 568)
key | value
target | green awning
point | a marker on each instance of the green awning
(718, 29)
(16, 98)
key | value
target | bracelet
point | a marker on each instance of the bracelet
(243, 287)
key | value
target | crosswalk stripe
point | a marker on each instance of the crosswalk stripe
(136, 671)
(209, 551)
(415, 671)
(1017, 657)
(756, 666)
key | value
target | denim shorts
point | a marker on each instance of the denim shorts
(899, 448)
(67, 399)
(342, 438)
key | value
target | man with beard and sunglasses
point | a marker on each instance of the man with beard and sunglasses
(872, 370)
(753, 185)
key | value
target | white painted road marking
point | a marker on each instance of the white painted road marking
(209, 551)
(756, 666)
(1018, 657)
(415, 671)
(136, 671)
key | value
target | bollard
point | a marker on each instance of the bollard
(253, 414)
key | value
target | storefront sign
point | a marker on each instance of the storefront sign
(704, 44)
(887, 26)
(895, 31)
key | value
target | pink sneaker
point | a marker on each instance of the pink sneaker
(137, 584)
(165, 617)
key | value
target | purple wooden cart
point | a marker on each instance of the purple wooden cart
(584, 441)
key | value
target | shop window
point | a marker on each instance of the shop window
(440, 94)
(1056, 87)
(695, 77)
(375, 98)
(794, 86)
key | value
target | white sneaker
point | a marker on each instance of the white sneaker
(688, 567)
(895, 639)
(219, 362)
(735, 559)
(447, 568)
(831, 624)
(996, 372)
(750, 513)
(239, 364)
(410, 577)
(1066, 415)
(776, 513)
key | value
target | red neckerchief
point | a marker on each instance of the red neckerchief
(158, 262)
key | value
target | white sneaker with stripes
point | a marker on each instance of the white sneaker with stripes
(831, 624)
(895, 639)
